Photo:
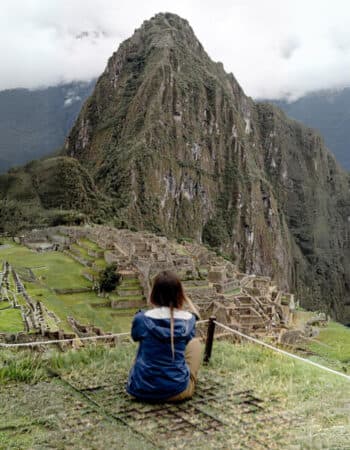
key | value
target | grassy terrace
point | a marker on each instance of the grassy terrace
(11, 321)
(301, 407)
(233, 291)
(82, 252)
(55, 270)
(100, 263)
(90, 244)
(333, 346)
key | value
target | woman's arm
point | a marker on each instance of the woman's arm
(138, 327)
(192, 307)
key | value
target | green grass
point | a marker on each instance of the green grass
(38, 411)
(100, 263)
(55, 270)
(21, 366)
(181, 250)
(233, 291)
(91, 271)
(130, 282)
(333, 345)
(129, 287)
(318, 401)
(92, 245)
(11, 321)
(80, 306)
(82, 252)
(121, 298)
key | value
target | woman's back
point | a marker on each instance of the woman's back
(158, 372)
(168, 357)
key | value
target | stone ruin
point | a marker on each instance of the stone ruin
(43, 240)
(37, 319)
(250, 303)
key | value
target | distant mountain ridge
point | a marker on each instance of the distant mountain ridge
(328, 111)
(34, 123)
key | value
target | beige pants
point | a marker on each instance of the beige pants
(193, 357)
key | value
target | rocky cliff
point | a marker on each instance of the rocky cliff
(312, 192)
(178, 148)
(328, 111)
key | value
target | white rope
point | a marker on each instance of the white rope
(283, 352)
(77, 338)
(61, 341)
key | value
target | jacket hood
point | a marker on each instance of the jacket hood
(160, 328)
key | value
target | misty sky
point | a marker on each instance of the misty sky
(275, 48)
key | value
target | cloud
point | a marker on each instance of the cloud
(274, 48)
(288, 47)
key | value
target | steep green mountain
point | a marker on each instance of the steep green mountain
(312, 191)
(34, 123)
(49, 192)
(173, 142)
(327, 111)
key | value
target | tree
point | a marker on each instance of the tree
(108, 278)
(215, 232)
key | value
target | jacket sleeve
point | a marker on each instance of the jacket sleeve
(138, 327)
(192, 332)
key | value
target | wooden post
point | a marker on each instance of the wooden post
(209, 340)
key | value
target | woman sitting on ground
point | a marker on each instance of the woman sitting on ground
(169, 355)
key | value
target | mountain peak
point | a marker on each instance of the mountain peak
(170, 19)
(166, 30)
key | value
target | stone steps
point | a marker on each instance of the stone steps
(126, 303)
(81, 261)
(193, 283)
(128, 292)
(127, 275)
(250, 320)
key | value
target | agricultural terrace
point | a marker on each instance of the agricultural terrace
(47, 276)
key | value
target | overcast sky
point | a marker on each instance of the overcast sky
(275, 48)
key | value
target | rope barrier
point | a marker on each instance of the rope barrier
(62, 341)
(225, 327)
(283, 352)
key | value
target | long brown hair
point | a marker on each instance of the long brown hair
(167, 290)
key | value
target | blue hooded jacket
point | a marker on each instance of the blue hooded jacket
(156, 375)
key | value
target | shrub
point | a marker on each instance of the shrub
(108, 278)
(215, 233)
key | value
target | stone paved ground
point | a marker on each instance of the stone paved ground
(246, 399)
(49, 415)
(219, 415)
(89, 411)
